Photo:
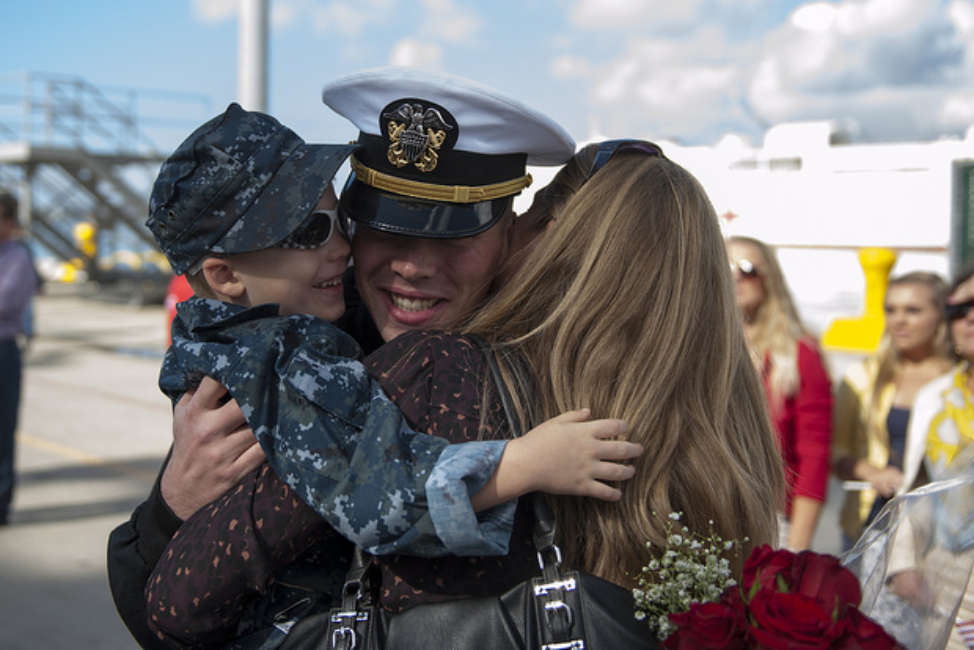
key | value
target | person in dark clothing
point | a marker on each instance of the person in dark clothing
(18, 283)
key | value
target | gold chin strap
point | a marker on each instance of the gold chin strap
(434, 192)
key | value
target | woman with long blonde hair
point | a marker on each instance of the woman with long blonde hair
(876, 395)
(625, 305)
(621, 304)
(797, 385)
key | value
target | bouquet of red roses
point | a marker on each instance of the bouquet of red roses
(785, 601)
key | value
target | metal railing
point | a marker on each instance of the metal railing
(56, 110)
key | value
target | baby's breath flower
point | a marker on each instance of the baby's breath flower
(688, 568)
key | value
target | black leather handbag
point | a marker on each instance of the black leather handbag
(558, 610)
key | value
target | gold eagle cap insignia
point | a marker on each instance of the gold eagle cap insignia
(416, 135)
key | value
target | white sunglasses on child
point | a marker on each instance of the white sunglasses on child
(315, 232)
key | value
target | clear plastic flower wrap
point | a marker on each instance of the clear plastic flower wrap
(914, 561)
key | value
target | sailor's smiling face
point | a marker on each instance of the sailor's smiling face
(416, 283)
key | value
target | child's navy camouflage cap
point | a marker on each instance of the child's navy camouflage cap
(241, 182)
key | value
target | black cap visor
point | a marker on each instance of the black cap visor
(401, 215)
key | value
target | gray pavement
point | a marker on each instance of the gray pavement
(93, 431)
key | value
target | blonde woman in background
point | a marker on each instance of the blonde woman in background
(923, 568)
(876, 395)
(796, 384)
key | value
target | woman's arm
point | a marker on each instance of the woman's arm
(813, 435)
(227, 553)
(213, 462)
(850, 439)
(847, 434)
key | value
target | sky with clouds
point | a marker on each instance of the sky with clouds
(690, 71)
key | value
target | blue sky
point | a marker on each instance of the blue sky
(691, 70)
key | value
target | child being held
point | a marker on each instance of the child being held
(247, 210)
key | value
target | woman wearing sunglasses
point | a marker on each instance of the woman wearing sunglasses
(796, 383)
(622, 303)
(940, 432)
(874, 400)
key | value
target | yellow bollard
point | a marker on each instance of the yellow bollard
(862, 334)
(84, 237)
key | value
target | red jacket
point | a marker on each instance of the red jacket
(804, 426)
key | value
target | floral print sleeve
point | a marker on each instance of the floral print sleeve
(228, 551)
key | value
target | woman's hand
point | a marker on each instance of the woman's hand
(911, 587)
(213, 449)
(885, 481)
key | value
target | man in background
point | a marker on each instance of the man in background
(18, 283)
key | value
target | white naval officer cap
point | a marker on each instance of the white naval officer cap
(439, 156)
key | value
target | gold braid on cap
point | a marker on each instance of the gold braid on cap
(434, 192)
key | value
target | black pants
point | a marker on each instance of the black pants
(10, 375)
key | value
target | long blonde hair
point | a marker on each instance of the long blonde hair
(625, 306)
(776, 329)
(888, 359)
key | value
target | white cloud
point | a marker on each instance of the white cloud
(671, 86)
(446, 21)
(213, 11)
(893, 65)
(417, 54)
(629, 14)
(616, 80)
(568, 66)
(961, 12)
(957, 110)
(814, 17)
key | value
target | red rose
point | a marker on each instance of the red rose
(862, 633)
(791, 621)
(822, 577)
(762, 566)
(710, 625)
(810, 574)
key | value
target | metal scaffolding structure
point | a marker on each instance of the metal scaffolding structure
(76, 153)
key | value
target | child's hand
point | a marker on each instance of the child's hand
(565, 455)
(570, 454)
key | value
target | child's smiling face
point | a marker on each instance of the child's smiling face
(301, 280)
